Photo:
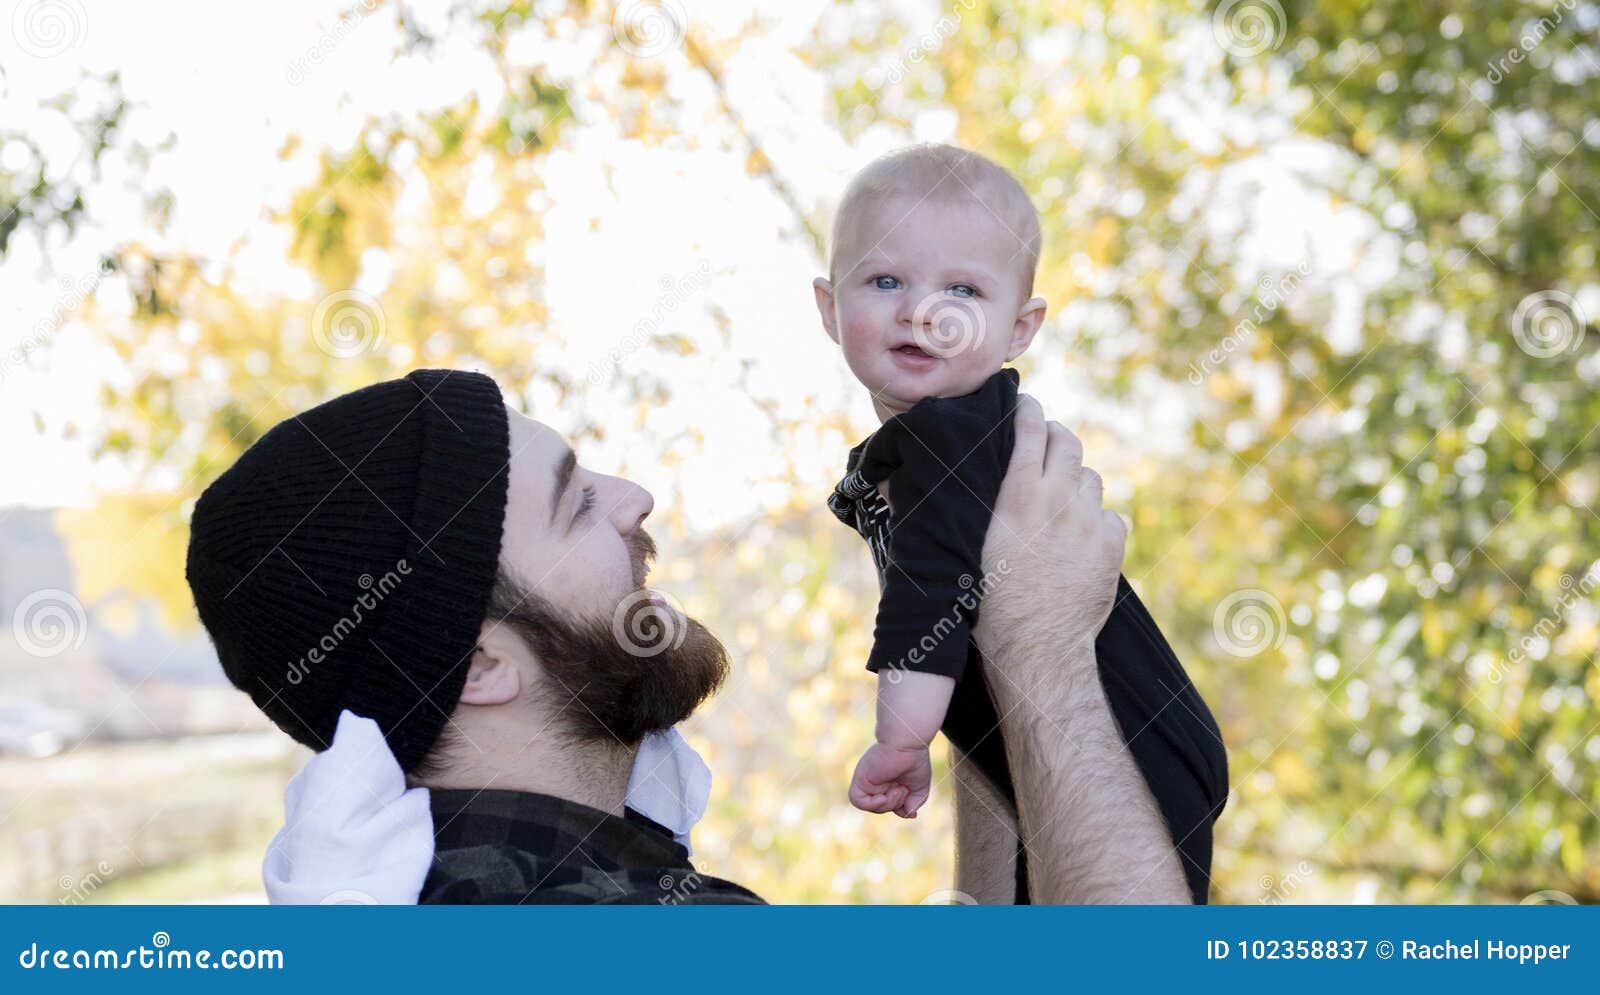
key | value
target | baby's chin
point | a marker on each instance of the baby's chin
(900, 393)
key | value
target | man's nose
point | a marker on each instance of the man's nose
(632, 505)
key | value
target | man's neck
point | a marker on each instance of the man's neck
(593, 774)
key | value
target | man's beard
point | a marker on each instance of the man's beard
(642, 667)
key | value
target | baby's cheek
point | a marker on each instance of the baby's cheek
(861, 344)
(861, 333)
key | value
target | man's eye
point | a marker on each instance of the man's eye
(963, 290)
(585, 503)
(885, 282)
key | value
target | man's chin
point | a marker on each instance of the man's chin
(682, 678)
(649, 672)
(644, 669)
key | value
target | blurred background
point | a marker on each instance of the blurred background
(1323, 307)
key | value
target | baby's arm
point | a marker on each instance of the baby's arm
(896, 773)
(948, 461)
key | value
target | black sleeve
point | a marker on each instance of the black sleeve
(951, 463)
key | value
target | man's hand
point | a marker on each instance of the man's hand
(1056, 550)
(1092, 829)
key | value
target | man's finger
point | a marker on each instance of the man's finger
(1027, 454)
(1091, 486)
(1063, 455)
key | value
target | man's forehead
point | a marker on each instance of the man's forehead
(535, 446)
(531, 431)
(544, 464)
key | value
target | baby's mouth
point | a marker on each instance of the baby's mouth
(912, 350)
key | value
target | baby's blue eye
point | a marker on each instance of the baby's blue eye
(885, 282)
(963, 290)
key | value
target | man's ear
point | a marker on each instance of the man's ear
(824, 294)
(1025, 327)
(493, 678)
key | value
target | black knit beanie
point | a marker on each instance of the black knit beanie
(346, 559)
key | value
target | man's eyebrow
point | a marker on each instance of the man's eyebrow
(564, 469)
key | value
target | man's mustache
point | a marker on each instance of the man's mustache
(641, 551)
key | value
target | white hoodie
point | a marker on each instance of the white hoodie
(355, 834)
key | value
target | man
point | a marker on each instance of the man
(417, 553)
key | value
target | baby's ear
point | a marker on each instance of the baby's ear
(1025, 327)
(824, 294)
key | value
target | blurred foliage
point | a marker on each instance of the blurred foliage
(1407, 488)
(1415, 496)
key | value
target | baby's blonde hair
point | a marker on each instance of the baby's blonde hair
(939, 172)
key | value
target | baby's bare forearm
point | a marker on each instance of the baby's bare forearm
(911, 707)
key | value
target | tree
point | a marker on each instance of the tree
(1391, 484)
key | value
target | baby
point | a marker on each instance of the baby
(929, 293)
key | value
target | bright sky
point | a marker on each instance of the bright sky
(662, 214)
(231, 106)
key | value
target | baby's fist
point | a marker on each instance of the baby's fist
(892, 779)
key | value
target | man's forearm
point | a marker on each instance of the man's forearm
(1093, 831)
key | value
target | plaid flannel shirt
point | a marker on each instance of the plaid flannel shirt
(497, 847)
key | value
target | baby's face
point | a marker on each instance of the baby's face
(929, 300)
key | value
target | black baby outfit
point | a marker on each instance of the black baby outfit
(944, 460)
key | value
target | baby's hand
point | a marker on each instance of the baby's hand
(892, 779)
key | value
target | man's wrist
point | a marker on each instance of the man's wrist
(1044, 678)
